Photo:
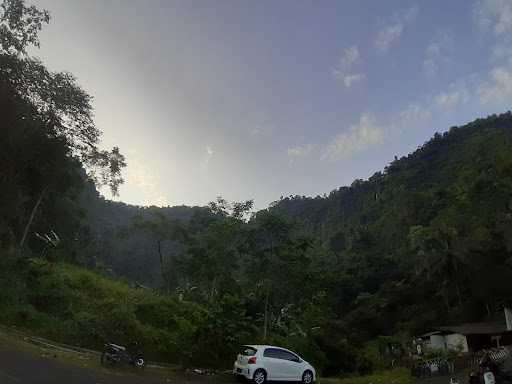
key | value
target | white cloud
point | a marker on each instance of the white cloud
(349, 79)
(387, 35)
(436, 53)
(351, 56)
(448, 100)
(499, 87)
(361, 136)
(256, 131)
(494, 18)
(262, 130)
(298, 152)
(391, 32)
(430, 67)
(494, 15)
(414, 113)
(141, 177)
(502, 52)
(208, 154)
(160, 201)
(472, 90)
(454, 94)
(451, 98)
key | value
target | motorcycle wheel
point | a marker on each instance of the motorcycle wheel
(139, 362)
(106, 359)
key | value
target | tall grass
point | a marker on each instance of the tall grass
(80, 307)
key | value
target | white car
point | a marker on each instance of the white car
(261, 363)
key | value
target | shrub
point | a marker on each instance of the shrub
(370, 359)
(396, 376)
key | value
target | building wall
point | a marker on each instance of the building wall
(453, 341)
(437, 342)
(456, 341)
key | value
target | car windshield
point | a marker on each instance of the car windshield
(248, 351)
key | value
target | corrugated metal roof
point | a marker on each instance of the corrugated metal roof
(428, 334)
(474, 328)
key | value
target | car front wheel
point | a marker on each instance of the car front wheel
(259, 377)
(307, 377)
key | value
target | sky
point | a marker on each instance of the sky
(263, 99)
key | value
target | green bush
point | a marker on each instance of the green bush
(79, 307)
(370, 359)
(396, 376)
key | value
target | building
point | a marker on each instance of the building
(470, 337)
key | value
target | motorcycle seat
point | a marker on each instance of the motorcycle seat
(120, 347)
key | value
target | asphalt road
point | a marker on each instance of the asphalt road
(23, 367)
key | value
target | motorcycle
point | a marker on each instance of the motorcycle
(114, 353)
(489, 372)
(484, 376)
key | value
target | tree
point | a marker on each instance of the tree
(163, 230)
(57, 97)
(55, 104)
(19, 26)
(212, 258)
(35, 165)
(270, 233)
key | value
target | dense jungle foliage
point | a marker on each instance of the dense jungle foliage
(426, 241)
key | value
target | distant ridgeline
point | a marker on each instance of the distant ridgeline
(479, 148)
(427, 241)
(430, 233)
(456, 186)
(119, 245)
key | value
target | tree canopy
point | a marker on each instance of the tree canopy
(426, 241)
(58, 99)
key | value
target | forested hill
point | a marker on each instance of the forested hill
(115, 241)
(427, 241)
(432, 231)
(431, 235)
(421, 183)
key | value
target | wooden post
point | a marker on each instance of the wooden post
(31, 218)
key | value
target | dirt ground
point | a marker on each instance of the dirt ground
(23, 362)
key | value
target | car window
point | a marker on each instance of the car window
(288, 356)
(272, 353)
(248, 351)
(277, 353)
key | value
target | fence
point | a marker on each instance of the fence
(433, 367)
(441, 367)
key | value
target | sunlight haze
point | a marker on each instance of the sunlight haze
(259, 99)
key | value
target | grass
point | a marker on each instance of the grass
(16, 341)
(23, 342)
(78, 307)
(397, 376)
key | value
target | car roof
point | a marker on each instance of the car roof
(263, 346)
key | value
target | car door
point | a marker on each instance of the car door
(274, 364)
(291, 366)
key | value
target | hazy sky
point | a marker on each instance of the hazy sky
(258, 99)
